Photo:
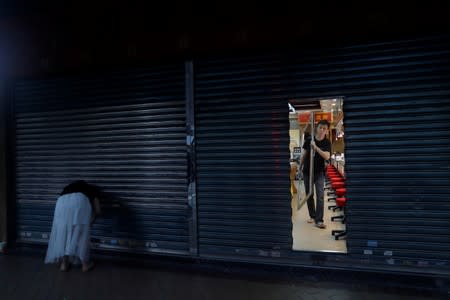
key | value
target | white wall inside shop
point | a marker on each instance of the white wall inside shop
(294, 132)
(294, 135)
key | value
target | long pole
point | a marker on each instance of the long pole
(311, 165)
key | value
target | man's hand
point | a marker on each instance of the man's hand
(325, 154)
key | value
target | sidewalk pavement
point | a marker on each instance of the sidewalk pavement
(27, 277)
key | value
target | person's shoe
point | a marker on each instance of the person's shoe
(310, 221)
(88, 266)
(64, 266)
(321, 225)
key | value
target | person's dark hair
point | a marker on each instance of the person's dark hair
(324, 122)
(81, 186)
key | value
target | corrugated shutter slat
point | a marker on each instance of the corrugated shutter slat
(124, 132)
(242, 163)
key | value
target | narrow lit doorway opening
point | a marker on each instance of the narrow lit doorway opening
(322, 161)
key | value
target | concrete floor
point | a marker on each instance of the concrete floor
(307, 237)
(24, 277)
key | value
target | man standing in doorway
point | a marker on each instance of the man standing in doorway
(322, 148)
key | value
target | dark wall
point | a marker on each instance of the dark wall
(79, 38)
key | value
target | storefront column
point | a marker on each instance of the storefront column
(3, 197)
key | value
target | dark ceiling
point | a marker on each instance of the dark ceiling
(191, 17)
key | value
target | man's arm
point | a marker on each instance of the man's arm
(302, 159)
(307, 149)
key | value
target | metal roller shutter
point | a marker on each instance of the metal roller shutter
(397, 105)
(242, 158)
(125, 132)
(397, 144)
